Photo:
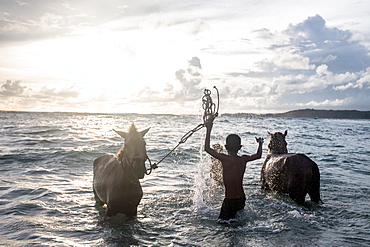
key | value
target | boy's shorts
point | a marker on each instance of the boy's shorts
(230, 207)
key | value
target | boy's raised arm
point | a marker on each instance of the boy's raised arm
(258, 154)
(207, 143)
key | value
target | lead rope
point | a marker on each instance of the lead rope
(210, 113)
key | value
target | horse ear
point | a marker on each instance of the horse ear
(132, 128)
(121, 133)
(144, 132)
(285, 133)
(270, 133)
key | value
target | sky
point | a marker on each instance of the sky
(121, 56)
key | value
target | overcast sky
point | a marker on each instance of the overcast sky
(158, 56)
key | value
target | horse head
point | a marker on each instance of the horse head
(277, 144)
(134, 150)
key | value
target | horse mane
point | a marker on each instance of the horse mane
(120, 153)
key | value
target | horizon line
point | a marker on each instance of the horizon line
(175, 114)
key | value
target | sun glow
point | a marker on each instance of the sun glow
(89, 60)
(126, 60)
(136, 58)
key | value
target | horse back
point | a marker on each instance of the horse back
(103, 162)
(105, 173)
(300, 163)
(280, 171)
(111, 182)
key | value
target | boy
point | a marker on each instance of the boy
(233, 168)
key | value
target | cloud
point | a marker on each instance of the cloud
(359, 80)
(325, 103)
(44, 19)
(155, 21)
(286, 59)
(54, 93)
(313, 66)
(38, 20)
(310, 63)
(15, 88)
(12, 89)
(190, 80)
(330, 45)
(197, 26)
(314, 31)
(311, 43)
(264, 33)
(14, 95)
(186, 86)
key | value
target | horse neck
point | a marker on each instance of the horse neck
(125, 165)
(122, 156)
(279, 150)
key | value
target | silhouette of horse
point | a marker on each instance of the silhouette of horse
(116, 177)
(291, 173)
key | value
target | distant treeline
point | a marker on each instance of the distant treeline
(311, 113)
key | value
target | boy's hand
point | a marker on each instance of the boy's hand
(259, 140)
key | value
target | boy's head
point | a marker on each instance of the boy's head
(233, 143)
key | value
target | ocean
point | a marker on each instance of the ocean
(46, 196)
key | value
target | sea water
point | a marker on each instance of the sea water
(46, 174)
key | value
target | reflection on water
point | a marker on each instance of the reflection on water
(46, 183)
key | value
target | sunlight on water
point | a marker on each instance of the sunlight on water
(46, 196)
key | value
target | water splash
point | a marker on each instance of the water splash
(200, 184)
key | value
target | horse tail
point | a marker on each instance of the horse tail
(314, 190)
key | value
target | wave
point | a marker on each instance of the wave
(42, 132)
(46, 175)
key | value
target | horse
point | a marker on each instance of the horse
(116, 176)
(291, 173)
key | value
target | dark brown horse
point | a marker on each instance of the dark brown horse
(291, 173)
(116, 177)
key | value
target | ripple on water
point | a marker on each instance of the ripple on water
(39, 172)
(46, 196)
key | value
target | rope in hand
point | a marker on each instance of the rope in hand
(210, 113)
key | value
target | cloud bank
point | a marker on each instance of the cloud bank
(313, 66)
(308, 64)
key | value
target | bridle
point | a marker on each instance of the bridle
(136, 158)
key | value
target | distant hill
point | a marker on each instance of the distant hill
(311, 113)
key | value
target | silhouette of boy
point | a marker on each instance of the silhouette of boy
(233, 168)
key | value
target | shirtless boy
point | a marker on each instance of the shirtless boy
(233, 168)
